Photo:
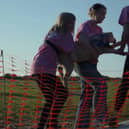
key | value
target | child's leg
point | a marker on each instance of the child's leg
(121, 95)
(60, 97)
(123, 88)
(84, 108)
(47, 84)
(100, 100)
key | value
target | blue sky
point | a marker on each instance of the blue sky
(24, 24)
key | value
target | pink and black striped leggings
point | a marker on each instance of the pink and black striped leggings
(123, 88)
(55, 95)
(94, 96)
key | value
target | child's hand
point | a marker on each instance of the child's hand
(124, 53)
(112, 40)
(119, 51)
(116, 44)
(60, 69)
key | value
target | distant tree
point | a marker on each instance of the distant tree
(7, 75)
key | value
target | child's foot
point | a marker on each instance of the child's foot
(113, 122)
(98, 124)
(53, 125)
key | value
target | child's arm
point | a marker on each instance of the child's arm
(125, 36)
(115, 51)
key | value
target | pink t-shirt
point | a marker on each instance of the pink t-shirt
(124, 17)
(46, 60)
(89, 28)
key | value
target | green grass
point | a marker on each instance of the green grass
(25, 94)
(20, 95)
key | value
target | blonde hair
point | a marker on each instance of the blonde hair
(63, 20)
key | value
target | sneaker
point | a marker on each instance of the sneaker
(113, 122)
(53, 125)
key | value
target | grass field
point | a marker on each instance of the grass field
(21, 102)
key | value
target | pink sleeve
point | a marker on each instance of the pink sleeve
(89, 29)
(80, 29)
(64, 43)
(124, 16)
(83, 28)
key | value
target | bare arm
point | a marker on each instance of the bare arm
(125, 36)
(115, 51)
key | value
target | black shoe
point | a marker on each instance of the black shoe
(113, 122)
(53, 126)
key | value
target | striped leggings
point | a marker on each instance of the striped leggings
(55, 95)
(123, 89)
(93, 99)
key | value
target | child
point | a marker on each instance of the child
(58, 40)
(124, 87)
(95, 98)
(94, 94)
(100, 42)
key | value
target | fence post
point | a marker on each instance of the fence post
(4, 88)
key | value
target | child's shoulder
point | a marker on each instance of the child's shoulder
(126, 8)
(90, 22)
(87, 23)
